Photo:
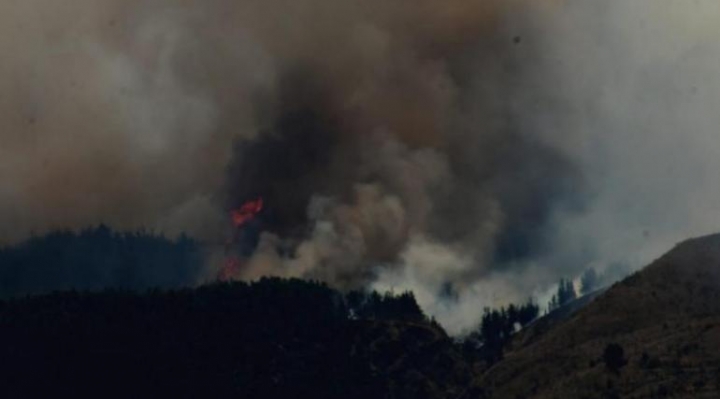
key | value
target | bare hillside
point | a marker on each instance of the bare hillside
(665, 318)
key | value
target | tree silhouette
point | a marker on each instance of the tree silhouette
(497, 328)
(614, 357)
(373, 306)
(589, 281)
(565, 294)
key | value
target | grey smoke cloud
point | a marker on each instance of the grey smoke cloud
(487, 146)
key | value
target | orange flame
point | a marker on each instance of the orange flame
(231, 269)
(246, 212)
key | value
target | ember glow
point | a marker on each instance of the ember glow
(246, 212)
(232, 266)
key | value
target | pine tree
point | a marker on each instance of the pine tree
(588, 281)
(565, 293)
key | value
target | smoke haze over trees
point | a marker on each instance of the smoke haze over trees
(565, 294)
(99, 258)
(481, 149)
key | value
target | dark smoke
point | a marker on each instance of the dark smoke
(290, 161)
(305, 153)
(489, 146)
(424, 152)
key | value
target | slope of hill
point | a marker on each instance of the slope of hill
(548, 322)
(665, 318)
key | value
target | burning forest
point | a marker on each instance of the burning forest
(471, 151)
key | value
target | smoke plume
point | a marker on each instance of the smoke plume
(473, 151)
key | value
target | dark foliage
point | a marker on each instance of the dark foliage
(565, 294)
(496, 330)
(373, 306)
(270, 339)
(98, 258)
(614, 357)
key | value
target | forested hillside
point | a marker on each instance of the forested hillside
(98, 258)
(269, 339)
